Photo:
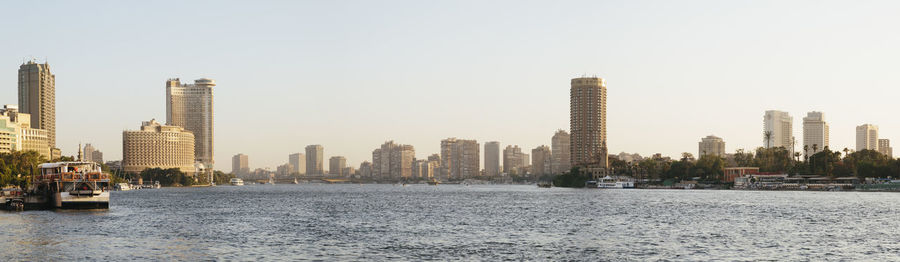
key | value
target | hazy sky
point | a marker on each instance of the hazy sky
(352, 74)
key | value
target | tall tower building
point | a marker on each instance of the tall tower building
(866, 137)
(561, 160)
(37, 97)
(460, 159)
(884, 146)
(512, 160)
(587, 120)
(712, 145)
(781, 125)
(815, 132)
(298, 163)
(540, 161)
(336, 165)
(191, 106)
(315, 160)
(240, 165)
(492, 158)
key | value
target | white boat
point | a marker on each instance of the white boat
(76, 185)
(122, 187)
(613, 183)
(237, 182)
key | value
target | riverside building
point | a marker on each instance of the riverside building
(866, 137)
(37, 97)
(587, 120)
(158, 146)
(315, 162)
(781, 126)
(711, 145)
(492, 158)
(190, 106)
(240, 165)
(815, 133)
(559, 146)
(17, 134)
(459, 158)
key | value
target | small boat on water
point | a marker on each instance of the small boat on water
(614, 183)
(122, 187)
(545, 184)
(236, 182)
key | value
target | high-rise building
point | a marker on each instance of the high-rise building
(815, 133)
(92, 154)
(336, 165)
(781, 127)
(587, 120)
(190, 106)
(559, 144)
(240, 165)
(365, 169)
(158, 146)
(513, 160)
(298, 163)
(866, 137)
(712, 145)
(284, 170)
(393, 160)
(16, 133)
(37, 97)
(884, 146)
(540, 161)
(315, 162)
(459, 158)
(492, 158)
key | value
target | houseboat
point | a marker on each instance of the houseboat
(73, 185)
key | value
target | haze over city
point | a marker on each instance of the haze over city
(350, 75)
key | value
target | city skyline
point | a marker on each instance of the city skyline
(803, 54)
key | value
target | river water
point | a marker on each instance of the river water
(453, 222)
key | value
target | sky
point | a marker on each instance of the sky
(350, 75)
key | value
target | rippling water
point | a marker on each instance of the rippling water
(448, 222)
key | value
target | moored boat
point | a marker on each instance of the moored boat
(73, 185)
(237, 182)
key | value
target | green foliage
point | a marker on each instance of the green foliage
(17, 166)
(221, 178)
(573, 178)
(167, 177)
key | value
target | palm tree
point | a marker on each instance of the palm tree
(797, 156)
(768, 136)
(846, 152)
(806, 153)
(815, 149)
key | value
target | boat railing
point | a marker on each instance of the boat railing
(72, 176)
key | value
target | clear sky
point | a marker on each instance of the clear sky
(352, 74)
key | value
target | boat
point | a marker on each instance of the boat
(237, 182)
(122, 187)
(613, 183)
(434, 182)
(545, 184)
(73, 185)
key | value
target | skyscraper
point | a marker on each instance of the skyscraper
(587, 120)
(781, 126)
(884, 146)
(393, 160)
(92, 154)
(240, 165)
(191, 106)
(298, 163)
(712, 145)
(540, 161)
(512, 160)
(336, 165)
(37, 97)
(866, 137)
(459, 158)
(492, 158)
(560, 144)
(815, 133)
(315, 160)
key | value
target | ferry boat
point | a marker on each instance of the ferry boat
(237, 182)
(73, 185)
(612, 183)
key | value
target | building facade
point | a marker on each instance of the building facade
(884, 146)
(336, 165)
(781, 127)
(587, 120)
(37, 97)
(866, 137)
(815, 133)
(460, 159)
(540, 161)
(315, 164)
(17, 134)
(559, 146)
(190, 106)
(240, 165)
(298, 163)
(513, 160)
(158, 146)
(492, 158)
(393, 160)
(92, 154)
(711, 145)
